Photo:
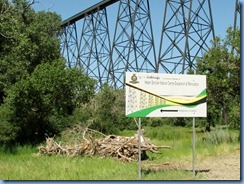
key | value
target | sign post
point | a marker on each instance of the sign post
(165, 95)
(193, 147)
(139, 148)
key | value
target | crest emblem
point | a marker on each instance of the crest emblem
(134, 79)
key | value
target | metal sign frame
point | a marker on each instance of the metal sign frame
(165, 95)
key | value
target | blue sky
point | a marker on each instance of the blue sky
(223, 16)
(223, 11)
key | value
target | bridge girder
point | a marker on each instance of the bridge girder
(87, 42)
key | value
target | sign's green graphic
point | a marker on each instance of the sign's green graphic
(165, 95)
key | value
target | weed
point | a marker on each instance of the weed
(220, 136)
(22, 165)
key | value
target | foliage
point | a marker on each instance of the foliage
(26, 40)
(109, 107)
(106, 120)
(41, 104)
(105, 112)
(221, 64)
(16, 166)
(38, 94)
(167, 132)
(220, 136)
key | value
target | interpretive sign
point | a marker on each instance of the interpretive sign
(165, 95)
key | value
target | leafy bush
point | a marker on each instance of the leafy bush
(157, 122)
(221, 65)
(37, 92)
(105, 112)
(41, 104)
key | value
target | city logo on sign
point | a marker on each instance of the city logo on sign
(134, 79)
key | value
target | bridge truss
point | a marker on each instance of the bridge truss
(88, 43)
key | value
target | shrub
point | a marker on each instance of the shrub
(41, 104)
(219, 136)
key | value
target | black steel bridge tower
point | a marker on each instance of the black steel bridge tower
(104, 50)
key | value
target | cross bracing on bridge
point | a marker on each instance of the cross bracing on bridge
(105, 50)
(187, 26)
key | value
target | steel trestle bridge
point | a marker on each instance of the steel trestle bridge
(88, 43)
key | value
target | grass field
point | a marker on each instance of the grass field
(23, 165)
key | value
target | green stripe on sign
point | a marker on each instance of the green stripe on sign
(145, 112)
(203, 93)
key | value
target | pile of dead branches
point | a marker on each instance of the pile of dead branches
(120, 147)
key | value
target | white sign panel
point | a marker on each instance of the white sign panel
(165, 95)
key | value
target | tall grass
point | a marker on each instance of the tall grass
(28, 167)
(167, 133)
(23, 165)
(180, 139)
(219, 136)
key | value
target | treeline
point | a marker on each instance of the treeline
(40, 96)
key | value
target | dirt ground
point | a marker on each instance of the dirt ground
(221, 167)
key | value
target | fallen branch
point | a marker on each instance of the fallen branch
(122, 148)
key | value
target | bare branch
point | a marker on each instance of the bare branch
(27, 7)
(5, 36)
(44, 5)
(122, 148)
(4, 10)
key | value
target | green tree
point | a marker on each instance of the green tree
(27, 39)
(38, 93)
(105, 120)
(106, 111)
(221, 64)
(41, 104)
